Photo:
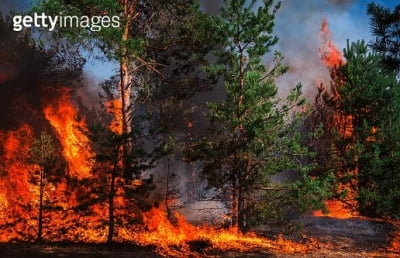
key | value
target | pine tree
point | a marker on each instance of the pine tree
(157, 46)
(385, 25)
(369, 94)
(43, 153)
(250, 129)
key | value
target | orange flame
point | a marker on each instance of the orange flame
(394, 241)
(16, 192)
(336, 209)
(332, 58)
(18, 200)
(76, 146)
(330, 55)
(344, 125)
(16, 151)
(163, 234)
(115, 107)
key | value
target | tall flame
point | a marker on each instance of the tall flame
(16, 193)
(332, 57)
(62, 116)
(330, 54)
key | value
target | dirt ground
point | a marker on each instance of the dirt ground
(50, 250)
(354, 237)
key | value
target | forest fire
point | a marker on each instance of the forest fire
(159, 231)
(333, 58)
(156, 230)
(63, 117)
(114, 107)
(336, 209)
(19, 211)
(243, 177)
(330, 54)
(15, 204)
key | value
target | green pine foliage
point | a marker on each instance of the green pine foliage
(385, 25)
(254, 134)
(370, 94)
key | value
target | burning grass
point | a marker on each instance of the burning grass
(173, 238)
(158, 236)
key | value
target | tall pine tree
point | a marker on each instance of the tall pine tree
(250, 136)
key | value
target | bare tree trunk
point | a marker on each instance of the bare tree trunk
(240, 212)
(111, 195)
(125, 95)
(234, 203)
(239, 174)
(40, 217)
(125, 90)
(167, 190)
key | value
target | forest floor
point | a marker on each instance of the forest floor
(355, 237)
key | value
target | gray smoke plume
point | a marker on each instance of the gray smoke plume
(297, 25)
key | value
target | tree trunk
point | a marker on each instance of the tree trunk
(125, 90)
(234, 203)
(111, 195)
(40, 217)
(239, 174)
(241, 211)
(167, 190)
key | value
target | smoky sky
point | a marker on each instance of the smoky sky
(297, 26)
(298, 23)
(9, 5)
(211, 6)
